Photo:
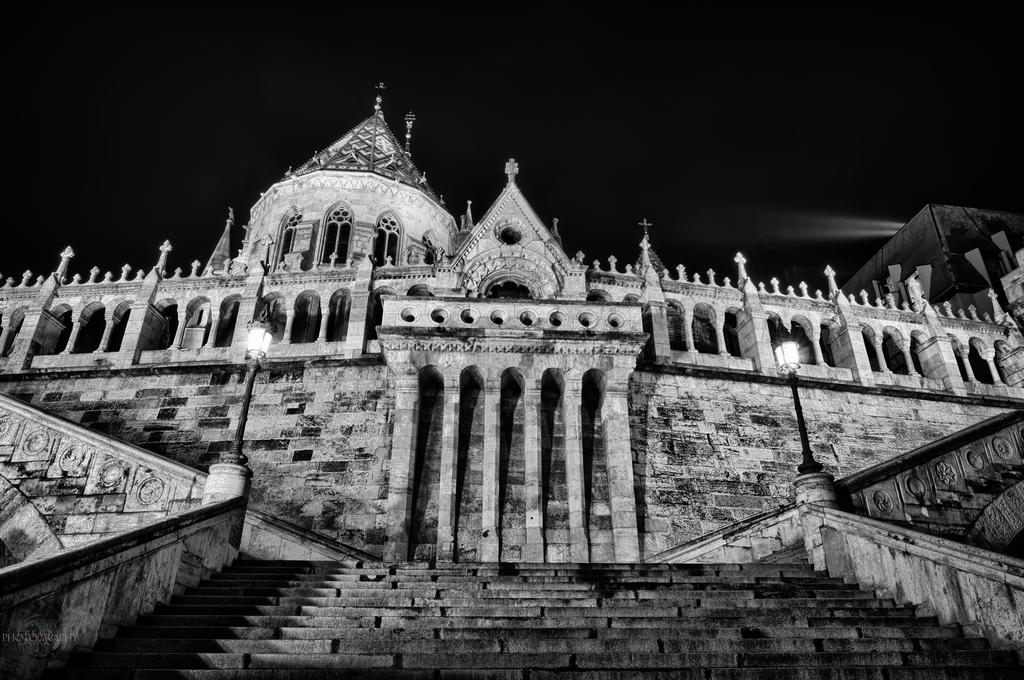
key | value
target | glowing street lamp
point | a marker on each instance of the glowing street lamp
(788, 356)
(256, 346)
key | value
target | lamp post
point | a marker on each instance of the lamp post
(231, 476)
(788, 356)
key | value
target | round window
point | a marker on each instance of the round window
(510, 236)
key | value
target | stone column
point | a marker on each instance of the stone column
(655, 318)
(533, 551)
(965, 355)
(211, 337)
(180, 333)
(622, 496)
(4, 334)
(720, 337)
(108, 328)
(403, 450)
(819, 356)
(816, 488)
(489, 539)
(321, 336)
(909, 358)
(76, 326)
(688, 330)
(883, 365)
(989, 355)
(939, 362)
(579, 545)
(449, 462)
(289, 318)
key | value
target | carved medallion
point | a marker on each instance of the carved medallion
(6, 423)
(36, 442)
(1002, 447)
(945, 472)
(71, 459)
(111, 474)
(883, 501)
(915, 486)
(150, 490)
(974, 459)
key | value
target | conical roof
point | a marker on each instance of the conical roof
(370, 147)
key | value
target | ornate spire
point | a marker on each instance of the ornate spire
(467, 218)
(554, 230)
(511, 169)
(380, 87)
(410, 118)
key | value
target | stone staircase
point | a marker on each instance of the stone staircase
(309, 620)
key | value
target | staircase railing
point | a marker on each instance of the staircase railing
(270, 538)
(959, 583)
(54, 605)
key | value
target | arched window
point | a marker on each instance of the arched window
(91, 327)
(509, 289)
(337, 231)
(385, 243)
(287, 238)
(892, 348)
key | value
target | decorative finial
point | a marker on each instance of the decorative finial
(161, 264)
(410, 118)
(511, 169)
(741, 264)
(554, 226)
(62, 268)
(645, 224)
(231, 216)
(380, 87)
(830, 274)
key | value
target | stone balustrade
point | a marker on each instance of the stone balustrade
(62, 603)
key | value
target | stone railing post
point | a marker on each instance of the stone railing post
(816, 488)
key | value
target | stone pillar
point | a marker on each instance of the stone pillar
(939, 362)
(819, 356)
(403, 451)
(108, 328)
(321, 335)
(449, 462)
(655, 317)
(355, 340)
(533, 551)
(289, 312)
(211, 337)
(248, 304)
(965, 356)
(816, 488)
(622, 496)
(180, 333)
(227, 480)
(720, 338)
(883, 365)
(489, 538)
(4, 335)
(572, 399)
(909, 359)
(752, 331)
(989, 355)
(1011, 362)
(76, 327)
(688, 330)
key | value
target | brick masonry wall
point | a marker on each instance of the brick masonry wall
(708, 452)
(317, 437)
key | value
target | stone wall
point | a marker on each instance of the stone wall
(709, 452)
(710, 447)
(317, 436)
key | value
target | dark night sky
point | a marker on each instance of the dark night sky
(800, 144)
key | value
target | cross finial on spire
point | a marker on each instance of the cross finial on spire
(161, 264)
(645, 224)
(741, 264)
(511, 169)
(410, 118)
(830, 274)
(380, 87)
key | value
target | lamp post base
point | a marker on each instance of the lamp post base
(227, 480)
(817, 488)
